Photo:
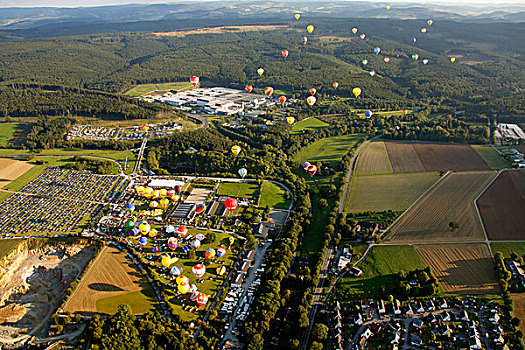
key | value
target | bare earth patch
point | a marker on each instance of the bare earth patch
(220, 30)
(10, 169)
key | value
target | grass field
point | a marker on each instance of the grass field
(387, 192)
(519, 308)
(7, 245)
(142, 89)
(140, 302)
(308, 124)
(507, 248)
(379, 269)
(274, 196)
(329, 150)
(7, 131)
(461, 268)
(374, 160)
(491, 157)
(239, 189)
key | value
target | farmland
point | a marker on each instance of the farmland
(308, 124)
(374, 160)
(274, 196)
(11, 169)
(507, 248)
(502, 206)
(7, 245)
(329, 150)
(140, 90)
(519, 308)
(451, 200)
(239, 189)
(461, 269)
(491, 157)
(113, 280)
(7, 131)
(414, 157)
(387, 192)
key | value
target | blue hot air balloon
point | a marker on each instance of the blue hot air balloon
(143, 241)
(186, 248)
(130, 207)
(377, 50)
(368, 114)
(135, 231)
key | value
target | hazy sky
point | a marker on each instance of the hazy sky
(75, 3)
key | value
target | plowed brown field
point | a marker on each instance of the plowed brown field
(451, 200)
(502, 207)
(461, 268)
(10, 169)
(412, 156)
(374, 160)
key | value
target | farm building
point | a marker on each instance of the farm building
(509, 133)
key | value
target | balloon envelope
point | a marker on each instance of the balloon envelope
(170, 229)
(304, 40)
(196, 243)
(194, 80)
(290, 120)
(166, 261)
(425, 61)
(282, 99)
(356, 91)
(231, 204)
(143, 241)
(430, 22)
(335, 84)
(354, 30)
(377, 50)
(260, 71)
(311, 100)
(368, 114)
(236, 149)
(362, 36)
(201, 208)
(199, 270)
(372, 73)
(415, 57)
(452, 59)
(310, 29)
(210, 253)
(129, 225)
(364, 62)
(202, 299)
(423, 30)
(312, 169)
(387, 59)
(186, 248)
(220, 252)
(285, 53)
(249, 88)
(182, 280)
(297, 16)
(313, 91)
(130, 207)
(183, 288)
(173, 243)
(243, 172)
(221, 270)
(306, 165)
(144, 227)
(268, 91)
(200, 236)
(182, 231)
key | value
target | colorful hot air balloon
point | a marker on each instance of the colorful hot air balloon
(260, 71)
(183, 288)
(196, 243)
(200, 236)
(415, 57)
(306, 165)
(377, 50)
(372, 73)
(182, 231)
(362, 36)
(194, 80)
(135, 231)
(356, 91)
(143, 241)
(387, 59)
(144, 227)
(210, 253)
(202, 299)
(220, 252)
(156, 249)
(152, 233)
(310, 29)
(129, 225)
(354, 30)
(154, 204)
(182, 280)
(236, 150)
(335, 84)
(194, 296)
(430, 22)
(285, 53)
(405, 111)
(178, 189)
(268, 91)
(313, 91)
(199, 270)
(221, 270)
(231, 204)
(243, 172)
(176, 271)
(297, 16)
(368, 114)
(231, 239)
(173, 243)
(282, 99)
(290, 120)
(414, 40)
(425, 61)
(312, 169)
(185, 249)
(130, 207)
(304, 40)
(452, 59)
(365, 62)
(170, 229)
(171, 193)
(166, 261)
(423, 30)
(201, 208)
(249, 88)
(163, 193)
(311, 100)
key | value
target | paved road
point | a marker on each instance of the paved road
(139, 157)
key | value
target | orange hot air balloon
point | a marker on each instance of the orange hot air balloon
(335, 84)
(285, 53)
(387, 59)
(282, 99)
(313, 91)
(249, 88)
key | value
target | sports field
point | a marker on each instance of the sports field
(387, 192)
(374, 160)
(308, 124)
(239, 189)
(461, 268)
(491, 157)
(274, 196)
(11, 169)
(142, 89)
(329, 150)
(450, 200)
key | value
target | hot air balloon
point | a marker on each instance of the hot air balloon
(377, 50)
(173, 243)
(139, 189)
(130, 207)
(182, 231)
(176, 271)
(388, 7)
(356, 91)
(183, 288)
(425, 61)
(143, 241)
(202, 299)
(249, 88)
(290, 120)
(144, 227)
(194, 80)
(310, 29)
(387, 59)
(164, 202)
(156, 249)
(210, 253)
(423, 30)
(182, 280)
(200, 236)
(362, 36)
(268, 91)
(452, 59)
(178, 189)
(199, 270)
(152, 233)
(135, 231)
(335, 84)
(297, 16)
(430, 22)
(154, 204)
(282, 99)
(171, 193)
(194, 295)
(414, 40)
(368, 114)
(186, 249)
(163, 193)
(313, 91)
(311, 100)
(365, 62)
(236, 149)
(166, 261)
(243, 172)
(196, 243)
(231, 204)
(148, 192)
(220, 252)
(405, 111)
(372, 72)
(193, 288)
(354, 30)
(306, 165)
(312, 169)
(170, 229)
(129, 225)
(304, 40)
(221, 270)
(260, 71)
(201, 208)
(415, 57)
(285, 53)
(231, 239)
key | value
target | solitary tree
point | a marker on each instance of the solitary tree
(453, 225)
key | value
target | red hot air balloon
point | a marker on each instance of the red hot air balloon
(313, 91)
(285, 53)
(312, 169)
(282, 99)
(231, 204)
(249, 88)
(194, 80)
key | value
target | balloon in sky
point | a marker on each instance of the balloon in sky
(414, 40)
(178, 189)
(377, 50)
(221, 270)
(423, 30)
(313, 91)
(297, 16)
(282, 99)
(199, 270)
(243, 172)
(415, 57)
(182, 231)
(163, 193)
(290, 120)
(260, 71)
(173, 243)
(170, 229)
(311, 100)
(372, 73)
(306, 165)
(405, 111)
(210, 253)
(144, 227)
(201, 208)
(152, 233)
(182, 280)
(452, 59)
(387, 59)
(143, 241)
(362, 36)
(186, 248)
(312, 169)
(200, 236)
(183, 288)
(171, 193)
(129, 225)
(194, 80)
(164, 202)
(231, 204)
(220, 252)
(310, 29)
(249, 88)
(176, 271)
(354, 30)
(135, 231)
(365, 62)
(202, 299)
(154, 204)
(388, 7)
(236, 149)
(430, 22)
(139, 189)
(130, 207)
(285, 53)
(356, 91)
(268, 91)
(335, 84)
(368, 114)
(196, 243)
(304, 40)
(166, 261)
(425, 61)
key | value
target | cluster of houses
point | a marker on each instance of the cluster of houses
(508, 133)
(516, 157)
(517, 273)
(438, 323)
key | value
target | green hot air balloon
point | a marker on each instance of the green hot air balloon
(415, 56)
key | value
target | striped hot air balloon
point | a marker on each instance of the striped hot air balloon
(201, 208)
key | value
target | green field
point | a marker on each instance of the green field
(7, 245)
(7, 131)
(374, 159)
(387, 192)
(491, 157)
(142, 89)
(239, 189)
(274, 196)
(507, 248)
(329, 150)
(379, 269)
(308, 124)
(140, 302)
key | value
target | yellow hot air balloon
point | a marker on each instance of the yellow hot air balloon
(183, 288)
(139, 189)
(152, 233)
(388, 7)
(236, 150)
(297, 16)
(156, 193)
(354, 30)
(231, 238)
(356, 91)
(144, 227)
(452, 59)
(181, 279)
(221, 270)
(148, 192)
(290, 120)
(164, 202)
(260, 71)
(166, 261)
(310, 29)
(430, 22)
(154, 204)
(163, 193)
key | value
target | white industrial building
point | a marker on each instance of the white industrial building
(509, 132)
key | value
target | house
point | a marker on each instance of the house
(417, 323)
(264, 229)
(355, 272)
(395, 339)
(408, 309)
(381, 306)
(420, 308)
(416, 341)
(396, 305)
(358, 319)
(445, 316)
(343, 261)
(443, 304)
(430, 306)
(494, 317)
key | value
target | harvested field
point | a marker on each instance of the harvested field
(450, 200)
(461, 269)
(502, 206)
(221, 30)
(10, 169)
(519, 309)
(414, 157)
(113, 277)
(374, 160)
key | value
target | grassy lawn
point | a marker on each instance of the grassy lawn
(7, 131)
(7, 245)
(508, 248)
(142, 89)
(387, 192)
(308, 124)
(140, 302)
(121, 157)
(274, 196)
(379, 269)
(328, 150)
(241, 189)
(491, 157)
